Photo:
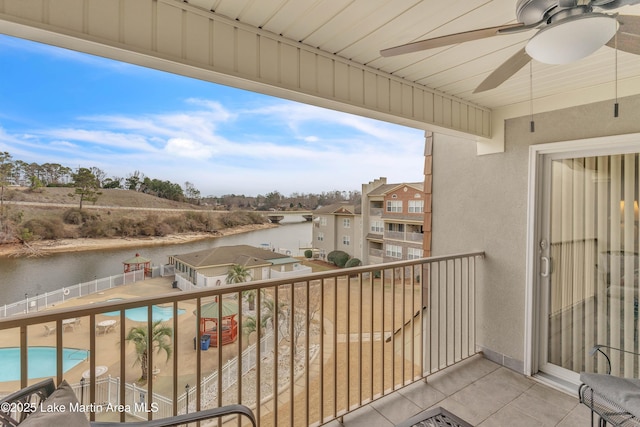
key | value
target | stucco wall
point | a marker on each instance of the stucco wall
(480, 203)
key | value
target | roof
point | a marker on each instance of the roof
(388, 188)
(228, 255)
(137, 260)
(280, 261)
(210, 310)
(337, 208)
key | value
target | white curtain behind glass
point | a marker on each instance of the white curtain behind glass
(594, 250)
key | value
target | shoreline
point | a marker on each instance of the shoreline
(45, 247)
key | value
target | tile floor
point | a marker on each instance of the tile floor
(482, 393)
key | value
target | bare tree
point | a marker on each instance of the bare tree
(297, 314)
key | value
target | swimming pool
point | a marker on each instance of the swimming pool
(139, 314)
(41, 361)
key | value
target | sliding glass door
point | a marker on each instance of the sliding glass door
(588, 246)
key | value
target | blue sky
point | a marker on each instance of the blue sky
(60, 106)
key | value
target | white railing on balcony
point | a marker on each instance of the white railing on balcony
(395, 235)
(376, 252)
(344, 339)
(107, 389)
(415, 237)
(50, 299)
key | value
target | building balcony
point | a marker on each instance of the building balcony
(376, 252)
(415, 237)
(405, 236)
(369, 345)
(394, 235)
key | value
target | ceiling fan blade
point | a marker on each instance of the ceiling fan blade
(612, 4)
(628, 37)
(446, 40)
(504, 71)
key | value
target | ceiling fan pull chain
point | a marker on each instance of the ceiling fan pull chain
(615, 49)
(531, 123)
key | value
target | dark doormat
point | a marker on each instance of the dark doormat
(437, 417)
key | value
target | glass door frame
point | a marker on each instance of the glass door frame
(540, 157)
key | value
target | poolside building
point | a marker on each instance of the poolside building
(209, 267)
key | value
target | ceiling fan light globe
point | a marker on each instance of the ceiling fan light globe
(572, 38)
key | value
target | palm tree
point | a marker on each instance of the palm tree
(160, 340)
(269, 308)
(250, 324)
(239, 274)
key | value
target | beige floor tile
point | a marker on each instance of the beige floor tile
(541, 409)
(580, 416)
(396, 407)
(510, 416)
(554, 397)
(366, 417)
(422, 394)
(459, 376)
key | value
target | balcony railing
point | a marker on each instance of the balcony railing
(308, 350)
(395, 235)
(376, 252)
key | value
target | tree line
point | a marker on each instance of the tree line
(274, 200)
(88, 181)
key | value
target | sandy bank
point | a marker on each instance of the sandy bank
(44, 247)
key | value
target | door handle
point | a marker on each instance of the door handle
(545, 269)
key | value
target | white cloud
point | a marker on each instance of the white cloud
(188, 148)
(283, 146)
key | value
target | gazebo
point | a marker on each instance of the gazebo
(209, 321)
(138, 263)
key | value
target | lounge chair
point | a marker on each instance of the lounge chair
(48, 330)
(44, 395)
(615, 400)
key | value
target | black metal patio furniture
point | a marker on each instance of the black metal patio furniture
(615, 400)
(436, 417)
(40, 405)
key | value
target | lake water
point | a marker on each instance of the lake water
(32, 276)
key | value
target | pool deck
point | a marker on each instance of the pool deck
(108, 346)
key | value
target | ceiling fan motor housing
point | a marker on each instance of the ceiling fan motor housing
(533, 11)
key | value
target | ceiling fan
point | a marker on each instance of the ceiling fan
(568, 30)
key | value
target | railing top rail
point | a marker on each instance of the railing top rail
(169, 298)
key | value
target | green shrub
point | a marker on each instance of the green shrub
(353, 262)
(308, 253)
(26, 235)
(338, 258)
(341, 259)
